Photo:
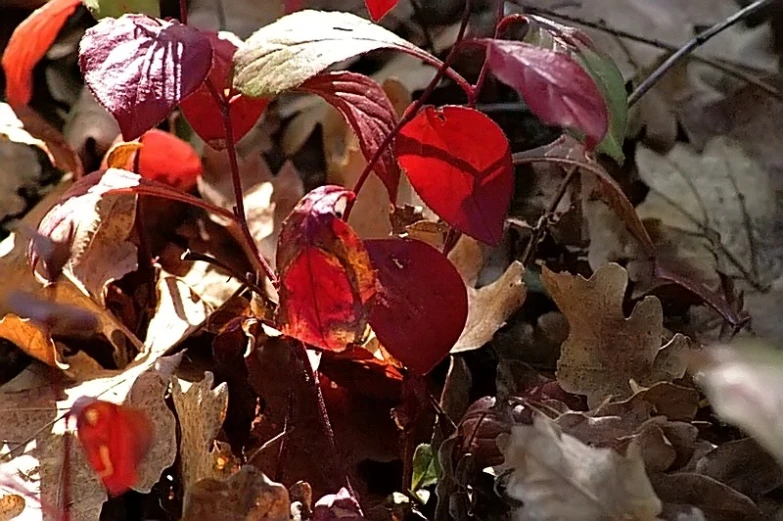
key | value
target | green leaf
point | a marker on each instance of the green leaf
(116, 8)
(285, 54)
(425, 467)
(611, 84)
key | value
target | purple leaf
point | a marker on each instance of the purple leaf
(140, 68)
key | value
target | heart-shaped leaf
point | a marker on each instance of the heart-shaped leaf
(379, 8)
(422, 303)
(459, 162)
(555, 86)
(28, 44)
(203, 112)
(285, 54)
(366, 107)
(326, 279)
(139, 68)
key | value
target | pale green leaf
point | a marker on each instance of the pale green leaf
(116, 8)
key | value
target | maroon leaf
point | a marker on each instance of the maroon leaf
(326, 279)
(555, 87)
(203, 112)
(367, 108)
(422, 303)
(459, 162)
(379, 8)
(139, 68)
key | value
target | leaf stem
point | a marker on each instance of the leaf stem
(700, 39)
(239, 209)
(501, 9)
(411, 112)
(312, 376)
(183, 12)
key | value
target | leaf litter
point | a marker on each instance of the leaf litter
(581, 382)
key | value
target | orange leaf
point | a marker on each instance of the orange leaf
(29, 43)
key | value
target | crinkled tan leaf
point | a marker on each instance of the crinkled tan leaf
(684, 491)
(179, 312)
(248, 495)
(744, 384)
(605, 350)
(201, 411)
(490, 307)
(11, 506)
(559, 478)
(744, 466)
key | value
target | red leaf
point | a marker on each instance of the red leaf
(459, 162)
(326, 279)
(422, 304)
(167, 159)
(379, 8)
(140, 68)
(29, 43)
(358, 370)
(202, 111)
(556, 88)
(366, 107)
(115, 438)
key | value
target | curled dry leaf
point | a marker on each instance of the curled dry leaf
(490, 306)
(248, 495)
(420, 288)
(605, 350)
(282, 56)
(169, 61)
(201, 411)
(326, 278)
(557, 477)
(729, 464)
(31, 338)
(469, 187)
(100, 226)
(681, 492)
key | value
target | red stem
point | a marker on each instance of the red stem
(239, 209)
(485, 66)
(411, 112)
(183, 11)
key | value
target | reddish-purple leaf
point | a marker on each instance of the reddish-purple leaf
(140, 68)
(556, 88)
(29, 43)
(422, 304)
(367, 108)
(203, 112)
(379, 8)
(459, 162)
(326, 278)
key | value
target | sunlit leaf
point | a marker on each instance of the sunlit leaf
(326, 279)
(116, 8)
(459, 162)
(139, 68)
(285, 54)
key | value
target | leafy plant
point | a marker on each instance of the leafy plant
(331, 286)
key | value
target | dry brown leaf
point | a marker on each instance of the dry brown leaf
(730, 463)
(248, 495)
(98, 227)
(31, 338)
(201, 411)
(489, 308)
(681, 492)
(557, 477)
(605, 350)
